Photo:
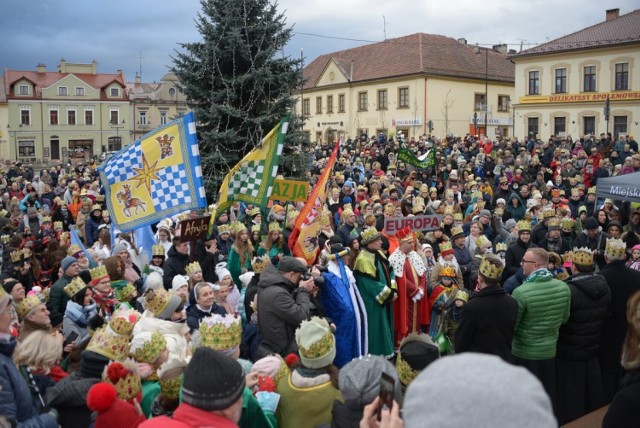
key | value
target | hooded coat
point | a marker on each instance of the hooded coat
(174, 265)
(517, 212)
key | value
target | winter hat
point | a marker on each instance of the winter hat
(154, 281)
(162, 303)
(112, 411)
(502, 393)
(67, 261)
(291, 264)
(121, 246)
(359, 380)
(222, 271)
(92, 364)
(179, 281)
(500, 201)
(591, 223)
(416, 352)
(32, 210)
(510, 224)
(212, 380)
(316, 343)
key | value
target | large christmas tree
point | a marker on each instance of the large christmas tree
(237, 80)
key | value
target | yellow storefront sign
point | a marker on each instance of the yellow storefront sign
(580, 98)
(290, 190)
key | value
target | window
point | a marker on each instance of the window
(329, 103)
(163, 117)
(306, 107)
(53, 116)
(532, 126)
(318, 105)
(403, 98)
(172, 92)
(622, 76)
(114, 143)
(619, 126)
(79, 92)
(534, 83)
(114, 92)
(71, 116)
(363, 102)
(561, 80)
(341, 105)
(62, 91)
(26, 148)
(589, 78)
(88, 116)
(589, 125)
(114, 117)
(503, 102)
(142, 117)
(25, 115)
(559, 125)
(479, 102)
(23, 90)
(382, 99)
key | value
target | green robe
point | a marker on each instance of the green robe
(273, 252)
(150, 390)
(252, 415)
(235, 268)
(376, 282)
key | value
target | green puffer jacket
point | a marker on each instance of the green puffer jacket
(543, 306)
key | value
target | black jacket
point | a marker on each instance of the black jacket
(564, 246)
(488, 323)
(195, 315)
(281, 311)
(598, 242)
(624, 410)
(579, 338)
(174, 265)
(514, 255)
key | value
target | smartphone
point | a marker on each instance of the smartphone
(70, 339)
(387, 386)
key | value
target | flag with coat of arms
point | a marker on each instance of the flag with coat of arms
(155, 177)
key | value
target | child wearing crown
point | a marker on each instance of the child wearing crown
(441, 301)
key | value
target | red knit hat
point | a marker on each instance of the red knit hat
(112, 411)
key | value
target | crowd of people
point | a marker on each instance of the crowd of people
(523, 304)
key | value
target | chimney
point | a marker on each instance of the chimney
(612, 14)
(502, 48)
(41, 68)
(94, 67)
(462, 40)
(138, 79)
(62, 67)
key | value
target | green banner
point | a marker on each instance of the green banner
(408, 156)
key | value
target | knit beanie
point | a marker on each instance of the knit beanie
(118, 247)
(416, 352)
(212, 380)
(359, 380)
(591, 223)
(92, 364)
(179, 281)
(110, 410)
(501, 393)
(316, 343)
(67, 261)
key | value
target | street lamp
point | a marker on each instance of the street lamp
(486, 87)
(607, 111)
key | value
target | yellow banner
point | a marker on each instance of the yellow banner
(580, 98)
(290, 190)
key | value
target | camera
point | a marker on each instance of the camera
(319, 281)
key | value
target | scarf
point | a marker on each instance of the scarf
(80, 315)
(539, 275)
(105, 302)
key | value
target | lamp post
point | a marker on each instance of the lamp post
(607, 111)
(486, 87)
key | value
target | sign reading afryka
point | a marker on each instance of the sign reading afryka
(421, 223)
(194, 228)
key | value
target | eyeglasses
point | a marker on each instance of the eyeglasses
(523, 261)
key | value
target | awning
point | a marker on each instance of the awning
(621, 188)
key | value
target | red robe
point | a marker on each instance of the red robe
(410, 316)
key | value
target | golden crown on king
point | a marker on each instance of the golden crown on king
(524, 226)
(151, 349)
(615, 249)
(220, 332)
(99, 272)
(75, 286)
(73, 249)
(157, 250)
(582, 256)
(369, 233)
(448, 271)
(490, 270)
(193, 268)
(274, 227)
(501, 246)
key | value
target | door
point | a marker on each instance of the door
(55, 149)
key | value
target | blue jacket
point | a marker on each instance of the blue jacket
(16, 402)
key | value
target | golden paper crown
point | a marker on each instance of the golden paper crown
(46, 219)
(325, 219)
(582, 256)
(457, 216)
(193, 268)
(125, 293)
(615, 249)
(100, 198)
(318, 348)
(58, 225)
(483, 241)
(346, 213)
(237, 226)
(5, 238)
(150, 349)
(27, 305)
(566, 223)
(223, 228)
(170, 374)
(501, 246)
(96, 207)
(369, 234)
(456, 230)
(109, 344)
(591, 191)
(567, 257)
(17, 256)
(389, 209)
(123, 321)
(490, 270)
(462, 295)
(183, 216)
(158, 301)
(448, 271)
(26, 253)
(406, 374)
(553, 222)
(448, 210)
(274, 226)
(255, 228)
(73, 249)
(575, 191)
(157, 250)
(445, 246)
(562, 274)
(259, 263)
(220, 332)
(524, 226)
(254, 211)
(99, 272)
(75, 286)
(548, 214)
(125, 379)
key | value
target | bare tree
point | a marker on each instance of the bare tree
(447, 104)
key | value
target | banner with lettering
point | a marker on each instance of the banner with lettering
(408, 156)
(290, 190)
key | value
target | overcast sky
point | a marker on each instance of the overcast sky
(124, 34)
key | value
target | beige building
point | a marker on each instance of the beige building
(155, 104)
(562, 86)
(73, 113)
(417, 84)
(4, 122)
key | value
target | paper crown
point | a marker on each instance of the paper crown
(457, 217)
(389, 209)
(501, 246)
(193, 268)
(220, 332)
(548, 214)
(97, 207)
(325, 219)
(17, 256)
(448, 210)
(27, 305)
(126, 293)
(524, 226)
(566, 223)
(448, 271)
(553, 223)
(490, 270)
(158, 301)
(274, 226)
(567, 257)
(456, 231)
(46, 219)
(259, 263)
(123, 321)
(149, 350)
(255, 228)
(562, 274)
(406, 373)
(109, 344)
(404, 234)
(254, 211)
(615, 249)
(319, 348)
(99, 272)
(483, 242)
(223, 228)
(346, 213)
(26, 253)
(125, 379)
(58, 225)
(591, 191)
(582, 256)
(75, 286)
(157, 250)
(170, 375)
(237, 226)
(5, 238)
(575, 191)
(462, 295)
(446, 247)
(73, 249)
(99, 198)
(369, 235)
